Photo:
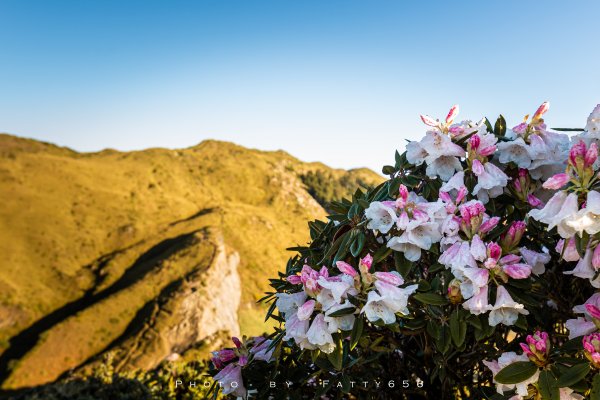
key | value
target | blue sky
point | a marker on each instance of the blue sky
(341, 82)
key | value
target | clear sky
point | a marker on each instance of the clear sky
(341, 82)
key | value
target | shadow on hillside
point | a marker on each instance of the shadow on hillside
(89, 389)
(23, 342)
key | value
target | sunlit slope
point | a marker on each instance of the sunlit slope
(87, 240)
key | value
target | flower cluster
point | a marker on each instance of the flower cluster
(466, 246)
(230, 361)
(330, 304)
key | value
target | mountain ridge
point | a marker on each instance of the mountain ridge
(75, 225)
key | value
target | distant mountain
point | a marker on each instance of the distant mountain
(144, 253)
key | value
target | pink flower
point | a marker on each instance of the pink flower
(478, 167)
(557, 181)
(260, 350)
(593, 310)
(570, 253)
(489, 224)
(237, 342)
(537, 348)
(534, 201)
(452, 114)
(517, 271)
(294, 279)
(392, 278)
(591, 347)
(346, 268)
(230, 379)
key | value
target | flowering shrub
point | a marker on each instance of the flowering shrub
(471, 273)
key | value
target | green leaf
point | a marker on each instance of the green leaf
(382, 253)
(403, 266)
(458, 329)
(500, 126)
(357, 330)
(342, 312)
(433, 299)
(488, 125)
(516, 372)
(358, 244)
(335, 357)
(595, 393)
(573, 375)
(548, 386)
(388, 170)
(433, 329)
(443, 343)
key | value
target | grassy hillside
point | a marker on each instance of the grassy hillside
(90, 239)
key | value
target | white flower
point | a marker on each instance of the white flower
(444, 167)
(593, 122)
(412, 241)
(478, 304)
(439, 152)
(395, 297)
(506, 310)
(561, 208)
(473, 280)
(377, 309)
(516, 151)
(579, 327)
(585, 270)
(588, 218)
(344, 323)
(490, 183)
(295, 328)
(382, 217)
(454, 183)
(505, 360)
(385, 304)
(536, 260)
(340, 286)
(318, 334)
(327, 299)
(288, 303)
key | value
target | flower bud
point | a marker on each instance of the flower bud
(494, 251)
(294, 279)
(452, 114)
(511, 238)
(366, 261)
(591, 155)
(591, 349)
(577, 155)
(454, 294)
(593, 311)
(346, 268)
(462, 192)
(427, 120)
(534, 201)
(540, 111)
(556, 182)
(475, 141)
(489, 224)
(237, 342)
(537, 348)
(393, 278)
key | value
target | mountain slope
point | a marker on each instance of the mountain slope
(141, 251)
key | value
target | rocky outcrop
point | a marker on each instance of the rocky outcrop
(202, 305)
